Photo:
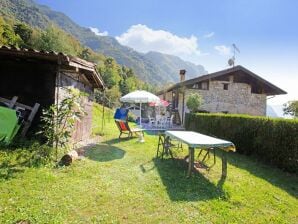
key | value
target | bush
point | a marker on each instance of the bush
(274, 141)
(193, 102)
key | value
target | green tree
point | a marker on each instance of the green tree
(85, 54)
(25, 32)
(112, 96)
(128, 82)
(110, 73)
(7, 35)
(49, 40)
(55, 39)
(291, 108)
(123, 87)
(193, 102)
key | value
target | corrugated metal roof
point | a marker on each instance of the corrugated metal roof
(56, 57)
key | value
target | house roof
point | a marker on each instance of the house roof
(270, 88)
(58, 58)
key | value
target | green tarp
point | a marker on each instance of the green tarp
(8, 124)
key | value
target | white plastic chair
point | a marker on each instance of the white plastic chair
(152, 121)
(170, 121)
(162, 122)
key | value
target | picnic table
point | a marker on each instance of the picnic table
(200, 141)
(161, 138)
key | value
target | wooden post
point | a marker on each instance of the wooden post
(30, 119)
(191, 161)
(13, 102)
(102, 117)
(224, 165)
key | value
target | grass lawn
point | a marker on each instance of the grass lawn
(123, 182)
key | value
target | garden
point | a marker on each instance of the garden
(122, 181)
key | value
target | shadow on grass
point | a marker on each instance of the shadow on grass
(116, 140)
(8, 171)
(104, 153)
(143, 167)
(275, 176)
(180, 188)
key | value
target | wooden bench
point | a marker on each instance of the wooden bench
(125, 129)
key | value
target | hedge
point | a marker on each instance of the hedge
(272, 140)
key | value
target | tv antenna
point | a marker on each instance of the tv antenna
(231, 61)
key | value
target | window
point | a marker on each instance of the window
(225, 86)
(201, 85)
(205, 85)
(195, 86)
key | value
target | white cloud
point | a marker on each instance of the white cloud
(209, 35)
(97, 32)
(223, 50)
(144, 39)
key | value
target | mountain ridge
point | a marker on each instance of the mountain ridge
(154, 67)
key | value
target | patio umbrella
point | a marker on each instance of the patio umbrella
(140, 96)
(160, 103)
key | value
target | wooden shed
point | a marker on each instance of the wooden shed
(42, 77)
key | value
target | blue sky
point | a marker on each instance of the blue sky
(266, 31)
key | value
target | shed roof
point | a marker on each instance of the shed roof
(58, 58)
(270, 88)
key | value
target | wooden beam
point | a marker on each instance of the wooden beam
(16, 103)
(81, 66)
(13, 102)
(30, 119)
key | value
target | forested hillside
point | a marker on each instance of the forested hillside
(155, 68)
(119, 79)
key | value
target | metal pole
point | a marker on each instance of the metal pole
(140, 114)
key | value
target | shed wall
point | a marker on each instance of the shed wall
(82, 129)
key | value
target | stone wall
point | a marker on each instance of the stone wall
(237, 99)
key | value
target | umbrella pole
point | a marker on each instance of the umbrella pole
(140, 114)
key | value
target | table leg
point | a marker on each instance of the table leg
(224, 165)
(191, 161)
(167, 145)
(160, 144)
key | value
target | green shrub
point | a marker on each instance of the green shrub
(194, 101)
(274, 141)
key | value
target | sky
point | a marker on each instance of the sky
(200, 31)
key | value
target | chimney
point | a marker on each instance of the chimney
(182, 75)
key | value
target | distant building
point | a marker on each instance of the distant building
(42, 77)
(235, 90)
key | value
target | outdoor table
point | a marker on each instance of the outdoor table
(197, 140)
(161, 138)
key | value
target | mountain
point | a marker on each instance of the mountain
(270, 112)
(172, 64)
(276, 111)
(153, 67)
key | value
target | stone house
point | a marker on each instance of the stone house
(235, 90)
(42, 77)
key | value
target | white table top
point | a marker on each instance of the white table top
(197, 140)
